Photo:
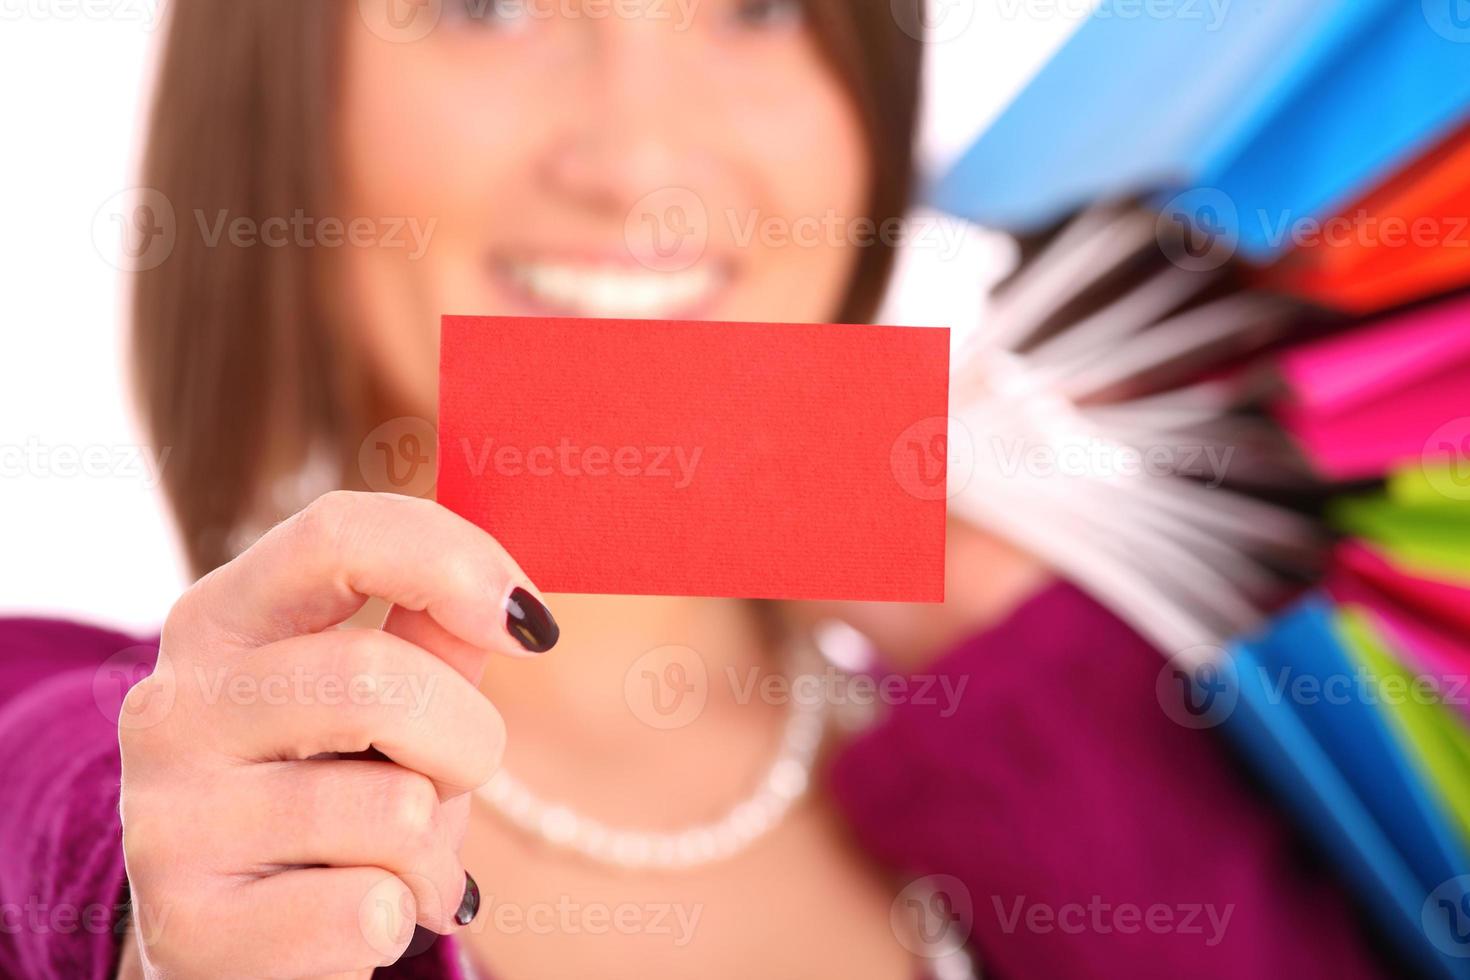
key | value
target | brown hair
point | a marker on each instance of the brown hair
(234, 364)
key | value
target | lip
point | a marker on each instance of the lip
(707, 281)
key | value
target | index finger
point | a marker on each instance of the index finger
(317, 568)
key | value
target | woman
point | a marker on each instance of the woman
(546, 152)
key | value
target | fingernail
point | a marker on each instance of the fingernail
(469, 906)
(530, 622)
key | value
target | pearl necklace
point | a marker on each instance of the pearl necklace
(786, 780)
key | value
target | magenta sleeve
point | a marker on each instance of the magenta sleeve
(61, 865)
(1091, 836)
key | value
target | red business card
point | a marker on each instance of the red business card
(758, 460)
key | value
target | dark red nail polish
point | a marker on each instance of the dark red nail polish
(530, 622)
(469, 906)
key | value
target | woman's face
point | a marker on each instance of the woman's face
(644, 158)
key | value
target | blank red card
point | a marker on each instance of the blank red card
(759, 460)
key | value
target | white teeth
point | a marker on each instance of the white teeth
(586, 290)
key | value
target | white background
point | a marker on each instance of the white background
(72, 78)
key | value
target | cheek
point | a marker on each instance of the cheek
(414, 137)
(808, 144)
(413, 145)
(817, 149)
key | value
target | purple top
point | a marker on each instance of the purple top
(1086, 834)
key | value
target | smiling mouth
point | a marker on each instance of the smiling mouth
(614, 289)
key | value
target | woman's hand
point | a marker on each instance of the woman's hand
(294, 795)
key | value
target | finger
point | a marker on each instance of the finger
(347, 813)
(348, 691)
(315, 569)
(420, 629)
(305, 923)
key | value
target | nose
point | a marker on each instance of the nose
(634, 128)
